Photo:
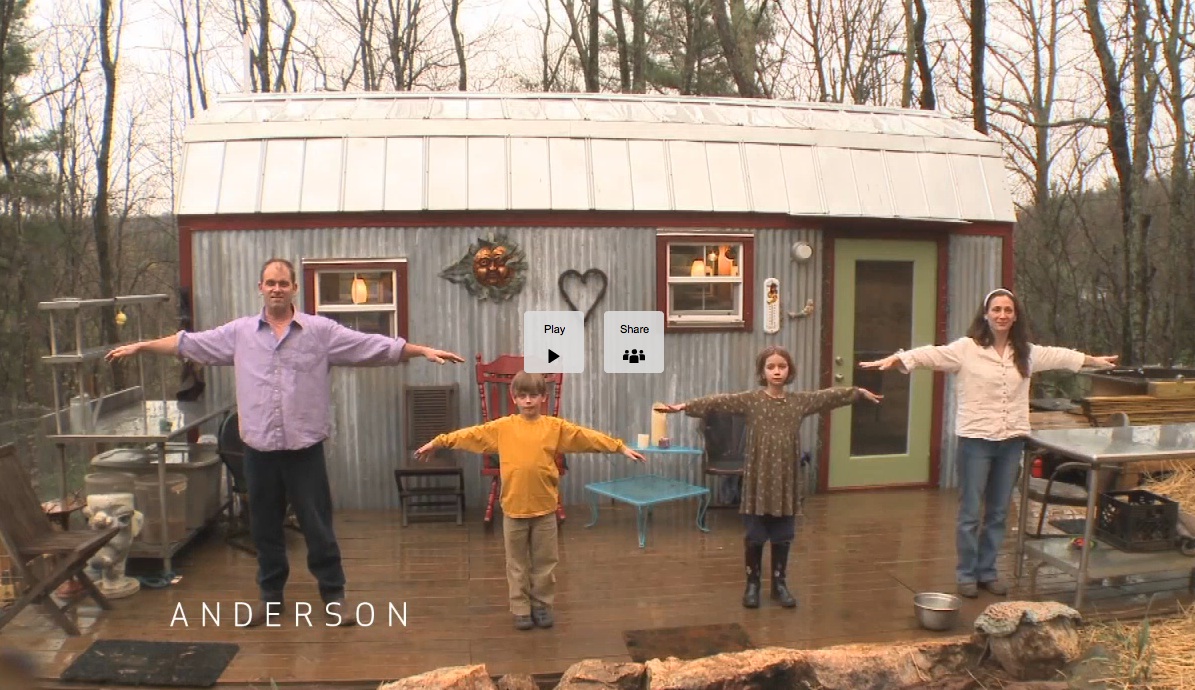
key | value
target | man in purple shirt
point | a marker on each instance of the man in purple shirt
(283, 360)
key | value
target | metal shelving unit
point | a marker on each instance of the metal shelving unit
(125, 417)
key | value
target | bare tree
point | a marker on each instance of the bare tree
(265, 60)
(109, 39)
(458, 42)
(921, 19)
(739, 31)
(1130, 158)
(583, 30)
(979, 107)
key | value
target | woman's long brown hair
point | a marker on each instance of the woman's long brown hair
(1018, 335)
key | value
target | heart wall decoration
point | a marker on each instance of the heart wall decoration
(573, 275)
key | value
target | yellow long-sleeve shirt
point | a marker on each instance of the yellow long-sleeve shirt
(527, 451)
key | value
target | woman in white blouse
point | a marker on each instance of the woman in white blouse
(993, 364)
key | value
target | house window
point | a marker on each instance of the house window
(367, 295)
(705, 281)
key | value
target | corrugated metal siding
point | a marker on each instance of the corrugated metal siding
(975, 269)
(366, 440)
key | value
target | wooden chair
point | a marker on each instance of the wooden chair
(231, 450)
(435, 488)
(725, 451)
(493, 385)
(29, 537)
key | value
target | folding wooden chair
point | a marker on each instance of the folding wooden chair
(29, 537)
(493, 385)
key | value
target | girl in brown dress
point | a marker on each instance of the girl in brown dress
(769, 494)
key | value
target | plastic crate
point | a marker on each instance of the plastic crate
(1136, 520)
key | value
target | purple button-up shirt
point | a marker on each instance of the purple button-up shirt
(284, 386)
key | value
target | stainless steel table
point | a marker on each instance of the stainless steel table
(126, 418)
(1101, 449)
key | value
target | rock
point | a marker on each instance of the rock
(876, 667)
(770, 667)
(451, 678)
(517, 681)
(595, 674)
(1030, 640)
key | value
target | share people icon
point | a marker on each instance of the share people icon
(554, 342)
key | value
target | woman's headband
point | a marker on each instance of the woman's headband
(993, 293)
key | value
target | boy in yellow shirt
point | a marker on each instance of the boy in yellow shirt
(527, 444)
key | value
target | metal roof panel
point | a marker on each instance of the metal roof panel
(202, 165)
(364, 174)
(322, 176)
(529, 174)
(282, 179)
(406, 175)
(240, 185)
(649, 175)
(487, 173)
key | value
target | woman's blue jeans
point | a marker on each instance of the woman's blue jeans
(987, 473)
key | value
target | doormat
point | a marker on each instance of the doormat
(691, 642)
(1070, 525)
(163, 664)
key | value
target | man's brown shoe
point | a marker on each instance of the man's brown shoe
(258, 615)
(340, 613)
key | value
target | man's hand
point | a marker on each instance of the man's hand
(679, 407)
(441, 356)
(123, 351)
(637, 457)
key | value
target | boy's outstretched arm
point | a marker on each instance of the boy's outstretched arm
(482, 438)
(575, 438)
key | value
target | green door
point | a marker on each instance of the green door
(883, 302)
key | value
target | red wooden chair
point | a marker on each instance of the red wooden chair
(493, 385)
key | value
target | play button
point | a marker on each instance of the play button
(554, 342)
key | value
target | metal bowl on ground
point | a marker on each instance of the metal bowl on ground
(937, 611)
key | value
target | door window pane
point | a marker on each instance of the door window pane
(883, 325)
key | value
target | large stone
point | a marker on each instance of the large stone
(595, 674)
(451, 678)
(517, 681)
(1031, 640)
(878, 667)
(755, 668)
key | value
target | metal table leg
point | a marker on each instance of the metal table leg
(701, 512)
(1093, 476)
(641, 521)
(1023, 519)
(593, 509)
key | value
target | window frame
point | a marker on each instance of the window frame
(745, 278)
(312, 267)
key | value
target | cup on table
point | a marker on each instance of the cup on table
(644, 440)
(665, 442)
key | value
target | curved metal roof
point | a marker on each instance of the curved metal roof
(327, 153)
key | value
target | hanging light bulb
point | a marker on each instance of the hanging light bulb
(360, 291)
(697, 270)
(121, 317)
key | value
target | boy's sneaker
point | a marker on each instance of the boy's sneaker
(523, 623)
(542, 617)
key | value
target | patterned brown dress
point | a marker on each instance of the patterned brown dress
(773, 440)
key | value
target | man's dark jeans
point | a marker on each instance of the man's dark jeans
(298, 478)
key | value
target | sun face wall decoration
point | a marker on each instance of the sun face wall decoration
(492, 269)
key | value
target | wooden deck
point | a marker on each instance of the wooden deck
(858, 561)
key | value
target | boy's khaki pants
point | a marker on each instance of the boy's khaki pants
(531, 557)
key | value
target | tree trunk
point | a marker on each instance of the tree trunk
(624, 58)
(737, 36)
(108, 61)
(638, 47)
(928, 102)
(458, 42)
(979, 106)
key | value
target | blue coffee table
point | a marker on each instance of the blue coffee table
(645, 491)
